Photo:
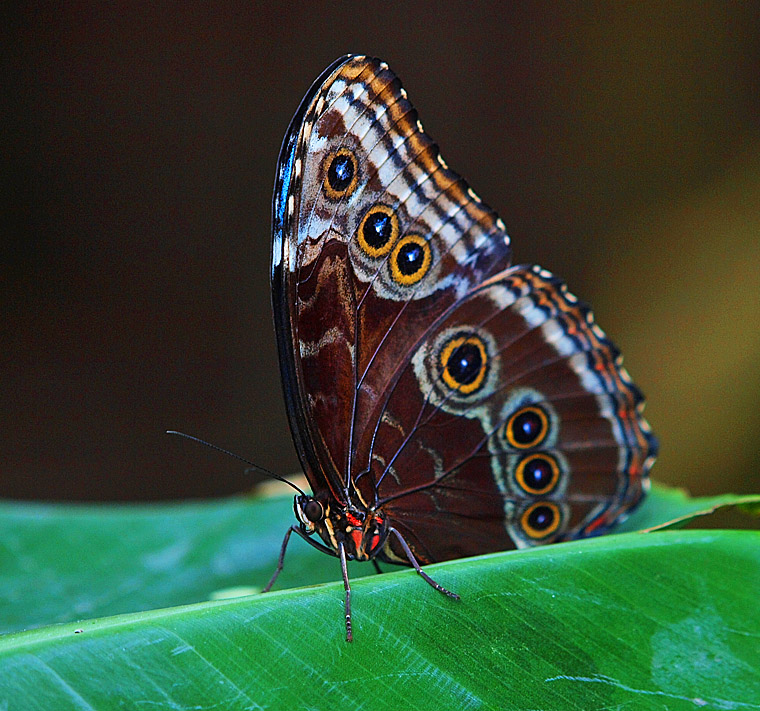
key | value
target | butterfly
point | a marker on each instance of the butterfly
(443, 403)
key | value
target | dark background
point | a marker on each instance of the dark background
(620, 142)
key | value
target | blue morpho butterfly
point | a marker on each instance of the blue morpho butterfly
(443, 403)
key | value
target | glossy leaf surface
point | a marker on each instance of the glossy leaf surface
(663, 620)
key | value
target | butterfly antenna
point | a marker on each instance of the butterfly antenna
(253, 467)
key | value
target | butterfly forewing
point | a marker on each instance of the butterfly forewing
(383, 236)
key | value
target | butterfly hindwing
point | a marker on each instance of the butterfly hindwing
(546, 423)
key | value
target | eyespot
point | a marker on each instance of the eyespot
(411, 259)
(540, 520)
(527, 427)
(537, 474)
(378, 231)
(341, 173)
(464, 363)
(314, 511)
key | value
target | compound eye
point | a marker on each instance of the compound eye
(314, 511)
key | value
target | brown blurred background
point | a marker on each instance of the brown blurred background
(620, 142)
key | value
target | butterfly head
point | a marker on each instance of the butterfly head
(363, 533)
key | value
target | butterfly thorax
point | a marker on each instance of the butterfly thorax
(362, 533)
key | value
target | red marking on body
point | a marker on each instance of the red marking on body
(357, 538)
(353, 520)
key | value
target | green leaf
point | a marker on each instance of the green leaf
(60, 563)
(663, 621)
(668, 507)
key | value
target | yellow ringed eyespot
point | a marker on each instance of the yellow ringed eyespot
(378, 231)
(537, 474)
(411, 259)
(540, 520)
(464, 363)
(527, 427)
(341, 173)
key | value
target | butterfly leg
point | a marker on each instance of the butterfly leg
(377, 567)
(416, 566)
(347, 586)
(281, 560)
(310, 541)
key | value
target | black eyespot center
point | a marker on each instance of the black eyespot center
(528, 427)
(341, 173)
(541, 520)
(537, 473)
(378, 231)
(411, 259)
(464, 362)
